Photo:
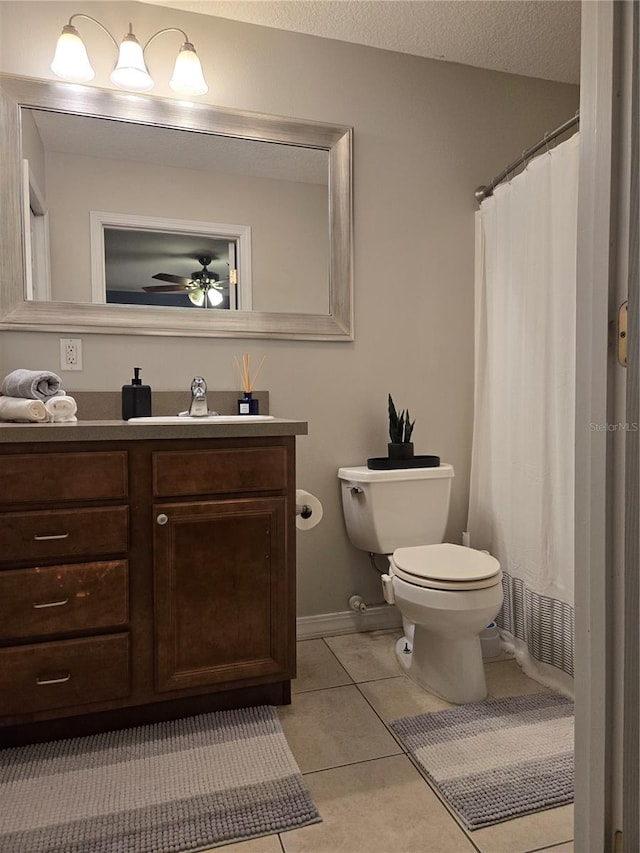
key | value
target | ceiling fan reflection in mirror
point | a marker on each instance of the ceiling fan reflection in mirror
(204, 288)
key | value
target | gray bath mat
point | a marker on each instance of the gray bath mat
(182, 785)
(498, 759)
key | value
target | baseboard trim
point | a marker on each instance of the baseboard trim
(347, 622)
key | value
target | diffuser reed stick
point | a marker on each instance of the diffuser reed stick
(244, 372)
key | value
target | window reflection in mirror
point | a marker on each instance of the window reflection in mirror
(170, 268)
(143, 260)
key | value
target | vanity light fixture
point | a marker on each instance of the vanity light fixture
(71, 61)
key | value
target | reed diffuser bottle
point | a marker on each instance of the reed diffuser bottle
(247, 405)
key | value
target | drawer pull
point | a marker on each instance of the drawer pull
(51, 604)
(162, 518)
(41, 682)
(51, 536)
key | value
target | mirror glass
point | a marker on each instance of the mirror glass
(148, 214)
(131, 264)
(187, 191)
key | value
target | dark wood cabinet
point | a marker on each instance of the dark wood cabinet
(220, 594)
(64, 673)
(148, 579)
(61, 599)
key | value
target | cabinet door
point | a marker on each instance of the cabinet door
(223, 593)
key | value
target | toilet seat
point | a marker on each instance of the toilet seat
(446, 566)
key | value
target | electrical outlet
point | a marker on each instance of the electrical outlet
(71, 353)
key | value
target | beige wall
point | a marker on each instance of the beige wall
(426, 133)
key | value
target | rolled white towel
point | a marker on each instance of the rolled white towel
(62, 409)
(32, 384)
(20, 409)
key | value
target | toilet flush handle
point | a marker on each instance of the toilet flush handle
(354, 489)
(387, 589)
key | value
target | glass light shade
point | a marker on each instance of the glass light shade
(187, 77)
(214, 296)
(196, 296)
(131, 71)
(71, 61)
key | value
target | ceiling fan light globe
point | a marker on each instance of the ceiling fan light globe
(214, 296)
(187, 77)
(196, 296)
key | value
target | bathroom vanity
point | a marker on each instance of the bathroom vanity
(146, 572)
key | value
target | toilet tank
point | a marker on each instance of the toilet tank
(385, 510)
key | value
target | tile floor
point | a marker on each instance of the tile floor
(371, 797)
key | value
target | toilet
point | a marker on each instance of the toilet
(447, 594)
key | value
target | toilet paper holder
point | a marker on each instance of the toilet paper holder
(308, 510)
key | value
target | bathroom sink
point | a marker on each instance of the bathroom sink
(210, 419)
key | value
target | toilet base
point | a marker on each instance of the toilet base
(451, 669)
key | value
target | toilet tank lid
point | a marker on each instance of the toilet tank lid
(362, 474)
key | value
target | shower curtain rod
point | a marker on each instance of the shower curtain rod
(484, 192)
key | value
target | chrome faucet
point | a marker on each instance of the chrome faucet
(198, 407)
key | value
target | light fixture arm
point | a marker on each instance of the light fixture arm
(166, 30)
(102, 26)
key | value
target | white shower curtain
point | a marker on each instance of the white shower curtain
(522, 474)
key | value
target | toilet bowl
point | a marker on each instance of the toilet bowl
(447, 594)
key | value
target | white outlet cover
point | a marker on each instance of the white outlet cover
(71, 353)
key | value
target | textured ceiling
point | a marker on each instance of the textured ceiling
(536, 38)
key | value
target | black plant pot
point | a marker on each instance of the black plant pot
(401, 450)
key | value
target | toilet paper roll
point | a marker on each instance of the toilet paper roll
(306, 499)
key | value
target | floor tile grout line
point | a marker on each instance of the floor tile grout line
(406, 752)
(354, 763)
(409, 756)
(469, 832)
(355, 684)
(466, 832)
(318, 689)
(400, 674)
(338, 660)
(347, 684)
(384, 723)
(550, 847)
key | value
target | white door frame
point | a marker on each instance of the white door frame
(36, 238)
(628, 756)
(603, 712)
(100, 219)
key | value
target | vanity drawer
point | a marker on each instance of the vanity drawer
(59, 599)
(63, 533)
(44, 676)
(55, 477)
(207, 472)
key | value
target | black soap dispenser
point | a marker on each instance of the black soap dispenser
(136, 398)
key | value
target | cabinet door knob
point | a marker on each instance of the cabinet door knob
(162, 518)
